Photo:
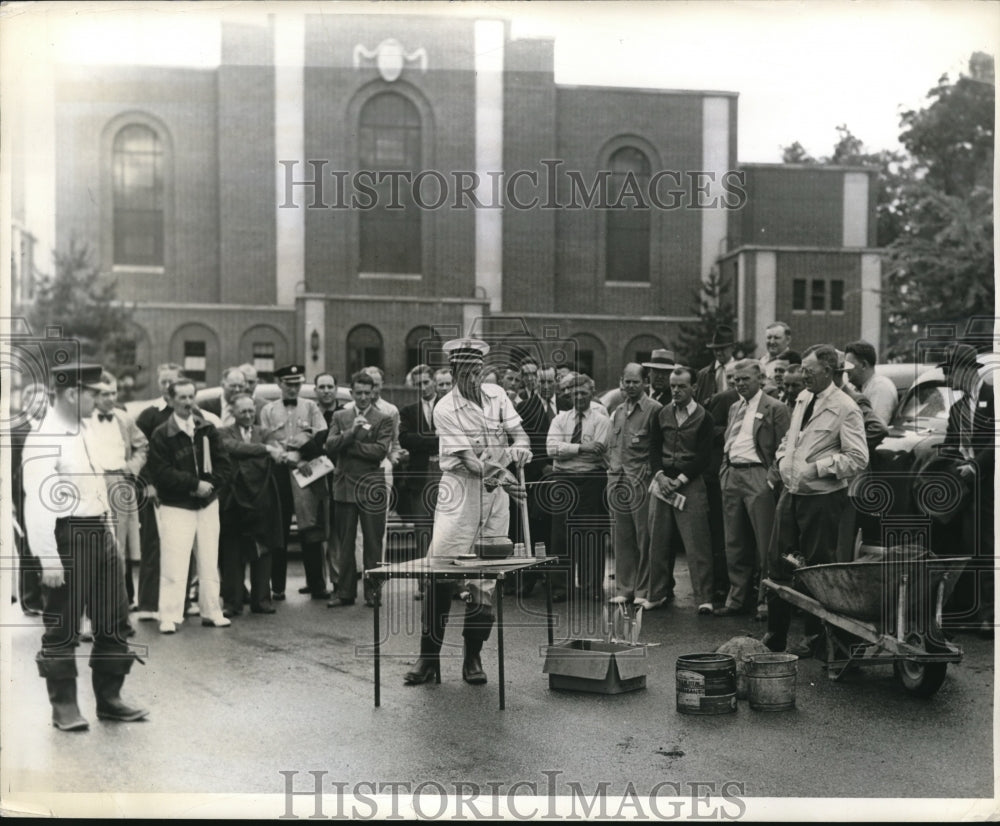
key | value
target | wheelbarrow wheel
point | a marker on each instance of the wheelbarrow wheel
(920, 679)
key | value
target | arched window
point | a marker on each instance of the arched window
(627, 246)
(137, 196)
(422, 347)
(389, 141)
(641, 348)
(364, 349)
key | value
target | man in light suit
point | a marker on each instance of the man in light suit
(358, 441)
(823, 450)
(756, 425)
(122, 449)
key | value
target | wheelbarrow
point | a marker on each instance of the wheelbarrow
(891, 611)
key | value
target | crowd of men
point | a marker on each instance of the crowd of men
(743, 463)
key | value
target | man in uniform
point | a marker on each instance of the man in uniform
(76, 548)
(475, 425)
(292, 423)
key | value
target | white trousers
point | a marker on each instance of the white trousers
(182, 530)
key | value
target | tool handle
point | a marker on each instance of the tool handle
(525, 527)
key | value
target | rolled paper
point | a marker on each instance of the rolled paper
(207, 455)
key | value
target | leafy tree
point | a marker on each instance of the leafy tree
(81, 304)
(713, 305)
(940, 267)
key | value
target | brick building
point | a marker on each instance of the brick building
(240, 207)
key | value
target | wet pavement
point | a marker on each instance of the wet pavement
(230, 709)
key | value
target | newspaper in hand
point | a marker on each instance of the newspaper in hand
(320, 467)
(675, 499)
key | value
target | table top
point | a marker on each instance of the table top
(453, 566)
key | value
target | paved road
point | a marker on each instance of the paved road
(232, 708)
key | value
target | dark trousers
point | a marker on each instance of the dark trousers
(716, 529)
(29, 581)
(149, 560)
(346, 517)
(236, 550)
(807, 526)
(580, 529)
(312, 552)
(94, 584)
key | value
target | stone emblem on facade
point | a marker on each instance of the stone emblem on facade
(390, 57)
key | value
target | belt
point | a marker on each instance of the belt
(744, 465)
(77, 520)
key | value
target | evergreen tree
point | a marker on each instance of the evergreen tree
(713, 305)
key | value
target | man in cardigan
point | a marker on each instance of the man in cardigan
(680, 450)
(756, 426)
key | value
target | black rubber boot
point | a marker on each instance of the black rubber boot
(107, 688)
(437, 604)
(66, 714)
(478, 624)
(779, 618)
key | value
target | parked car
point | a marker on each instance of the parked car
(917, 429)
(268, 392)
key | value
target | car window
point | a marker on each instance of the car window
(926, 407)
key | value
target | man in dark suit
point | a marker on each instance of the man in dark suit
(358, 441)
(250, 512)
(233, 384)
(712, 379)
(417, 436)
(34, 402)
(970, 442)
(660, 363)
(755, 428)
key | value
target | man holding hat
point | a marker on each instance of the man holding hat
(660, 363)
(479, 434)
(68, 523)
(292, 423)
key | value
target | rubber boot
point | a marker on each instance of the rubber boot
(66, 714)
(107, 688)
(779, 618)
(478, 624)
(437, 604)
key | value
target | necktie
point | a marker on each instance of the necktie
(577, 430)
(720, 379)
(809, 411)
(105, 417)
(734, 430)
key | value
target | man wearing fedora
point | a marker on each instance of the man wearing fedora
(712, 379)
(292, 423)
(970, 443)
(81, 569)
(660, 363)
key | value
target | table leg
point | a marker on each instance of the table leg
(378, 649)
(499, 598)
(548, 605)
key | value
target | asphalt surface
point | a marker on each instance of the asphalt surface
(232, 708)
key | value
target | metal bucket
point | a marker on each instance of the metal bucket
(771, 680)
(706, 684)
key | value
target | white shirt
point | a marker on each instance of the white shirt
(682, 413)
(108, 444)
(462, 424)
(428, 410)
(187, 425)
(60, 479)
(742, 449)
(881, 392)
(595, 427)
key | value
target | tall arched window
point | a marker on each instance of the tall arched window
(389, 141)
(137, 196)
(423, 346)
(627, 246)
(364, 349)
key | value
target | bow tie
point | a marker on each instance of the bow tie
(105, 417)
(290, 402)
